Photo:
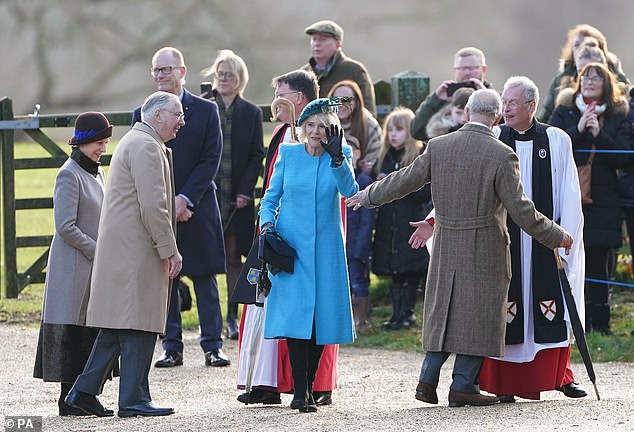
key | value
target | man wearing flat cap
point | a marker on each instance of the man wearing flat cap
(331, 65)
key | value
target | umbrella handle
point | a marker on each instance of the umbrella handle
(596, 391)
(558, 259)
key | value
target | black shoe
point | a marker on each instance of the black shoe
(232, 329)
(147, 409)
(506, 398)
(87, 403)
(322, 398)
(216, 357)
(260, 396)
(169, 359)
(573, 390)
(298, 403)
(67, 410)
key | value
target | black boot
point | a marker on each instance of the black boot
(314, 355)
(408, 318)
(64, 408)
(601, 318)
(396, 292)
(297, 353)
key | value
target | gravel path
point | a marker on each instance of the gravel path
(376, 394)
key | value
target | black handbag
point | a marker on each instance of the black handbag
(274, 251)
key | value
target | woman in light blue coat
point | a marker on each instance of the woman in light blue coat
(311, 307)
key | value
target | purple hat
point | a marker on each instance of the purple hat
(90, 127)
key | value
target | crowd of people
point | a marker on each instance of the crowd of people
(351, 197)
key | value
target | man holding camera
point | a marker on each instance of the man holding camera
(469, 69)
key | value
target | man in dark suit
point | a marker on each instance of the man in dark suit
(196, 151)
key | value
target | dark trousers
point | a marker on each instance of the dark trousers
(359, 274)
(135, 348)
(209, 316)
(598, 266)
(465, 371)
(304, 356)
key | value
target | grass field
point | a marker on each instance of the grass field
(26, 309)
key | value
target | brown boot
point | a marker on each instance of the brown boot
(360, 308)
(459, 399)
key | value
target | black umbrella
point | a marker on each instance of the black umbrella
(577, 328)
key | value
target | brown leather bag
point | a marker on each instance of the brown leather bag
(585, 179)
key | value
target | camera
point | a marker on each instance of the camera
(451, 88)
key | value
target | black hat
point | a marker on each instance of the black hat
(90, 127)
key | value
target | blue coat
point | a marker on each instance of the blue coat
(196, 153)
(307, 192)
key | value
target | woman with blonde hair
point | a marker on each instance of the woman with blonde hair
(391, 252)
(242, 154)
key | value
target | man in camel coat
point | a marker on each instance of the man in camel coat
(476, 180)
(135, 258)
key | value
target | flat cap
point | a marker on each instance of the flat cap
(326, 27)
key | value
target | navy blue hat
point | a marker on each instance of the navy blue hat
(323, 105)
(90, 127)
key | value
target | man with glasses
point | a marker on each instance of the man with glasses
(538, 330)
(469, 69)
(197, 150)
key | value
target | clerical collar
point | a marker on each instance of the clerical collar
(85, 162)
(527, 135)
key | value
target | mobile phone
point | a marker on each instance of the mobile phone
(205, 87)
(452, 87)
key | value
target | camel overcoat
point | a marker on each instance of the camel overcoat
(475, 181)
(130, 284)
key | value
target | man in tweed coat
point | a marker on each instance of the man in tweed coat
(476, 180)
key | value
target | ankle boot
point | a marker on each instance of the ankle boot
(64, 408)
(408, 305)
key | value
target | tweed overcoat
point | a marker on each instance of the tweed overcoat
(77, 198)
(475, 181)
(130, 285)
(305, 192)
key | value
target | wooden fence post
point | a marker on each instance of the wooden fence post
(8, 256)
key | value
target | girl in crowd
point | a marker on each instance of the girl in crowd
(391, 252)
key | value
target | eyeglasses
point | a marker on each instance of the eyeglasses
(514, 103)
(467, 68)
(277, 95)
(223, 75)
(166, 70)
(595, 79)
(181, 116)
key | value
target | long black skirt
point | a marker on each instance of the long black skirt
(62, 351)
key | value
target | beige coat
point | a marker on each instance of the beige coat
(476, 179)
(130, 284)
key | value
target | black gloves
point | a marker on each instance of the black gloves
(268, 228)
(334, 138)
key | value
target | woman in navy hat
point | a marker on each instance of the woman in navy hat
(64, 343)
(310, 307)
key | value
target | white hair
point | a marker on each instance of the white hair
(156, 101)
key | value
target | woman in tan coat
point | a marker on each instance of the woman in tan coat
(64, 342)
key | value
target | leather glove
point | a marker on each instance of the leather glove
(334, 138)
(268, 228)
